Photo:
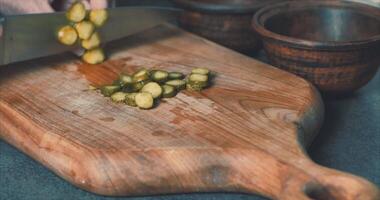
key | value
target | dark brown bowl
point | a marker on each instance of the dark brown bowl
(334, 44)
(223, 21)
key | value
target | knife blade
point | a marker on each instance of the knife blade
(24, 37)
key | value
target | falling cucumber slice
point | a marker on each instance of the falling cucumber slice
(67, 35)
(84, 29)
(92, 42)
(98, 17)
(76, 13)
(93, 56)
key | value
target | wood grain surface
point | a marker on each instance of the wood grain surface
(244, 134)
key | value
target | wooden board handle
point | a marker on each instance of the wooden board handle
(319, 183)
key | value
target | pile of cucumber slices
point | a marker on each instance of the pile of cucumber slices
(145, 87)
(82, 29)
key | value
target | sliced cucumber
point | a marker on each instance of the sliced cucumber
(200, 70)
(67, 35)
(109, 90)
(144, 100)
(153, 88)
(130, 99)
(139, 85)
(177, 84)
(92, 42)
(118, 97)
(98, 17)
(124, 80)
(176, 75)
(198, 78)
(93, 56)
(141, 75)
(197, 82)
(159, 76)
(168, 91)
(84, 29)
(77, 12)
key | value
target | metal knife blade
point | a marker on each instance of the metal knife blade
(24, 37)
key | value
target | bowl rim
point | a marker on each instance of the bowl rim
(209, 7)
(258, 24)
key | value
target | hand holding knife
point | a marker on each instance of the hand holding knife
(28, 36)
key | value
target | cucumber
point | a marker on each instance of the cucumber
(98, 17)
(153, 88)
(159, 76)
(84, 29)
(141, 75)
(92, 42)
(130, 99)
(77, 12)
(197, 82)
(93, 56)
(200, 70)
(118, 97)
(67, 35)
(137, 86)
(109, 90)
(144, 100)
(177, 84)
(168, 91)
(176, 75)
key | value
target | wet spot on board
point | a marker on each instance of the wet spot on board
(160, 133)
(107, 119)
(75, 112)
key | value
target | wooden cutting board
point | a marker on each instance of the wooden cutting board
(244, 134)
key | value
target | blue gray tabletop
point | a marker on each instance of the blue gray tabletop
(348, 141)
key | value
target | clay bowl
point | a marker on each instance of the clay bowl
(334, 44)
(223, 21)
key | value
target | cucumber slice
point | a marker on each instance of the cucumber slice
(92, 42)
(177, 84)
(77, 12)
(124, 80)
(153, 88)
(197, 82)
(67, 35)
(159, 76)
(130, 99)
(200, 70)
(194, 87)
(144, 100)
(141, 75)
(98, 17)
(93, 56)
(176, 75)
(84, 29)
(168, 91)
(198, 78)
(118, 97)
(109, 90)
(139, 85)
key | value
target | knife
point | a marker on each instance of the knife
(25, 37)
